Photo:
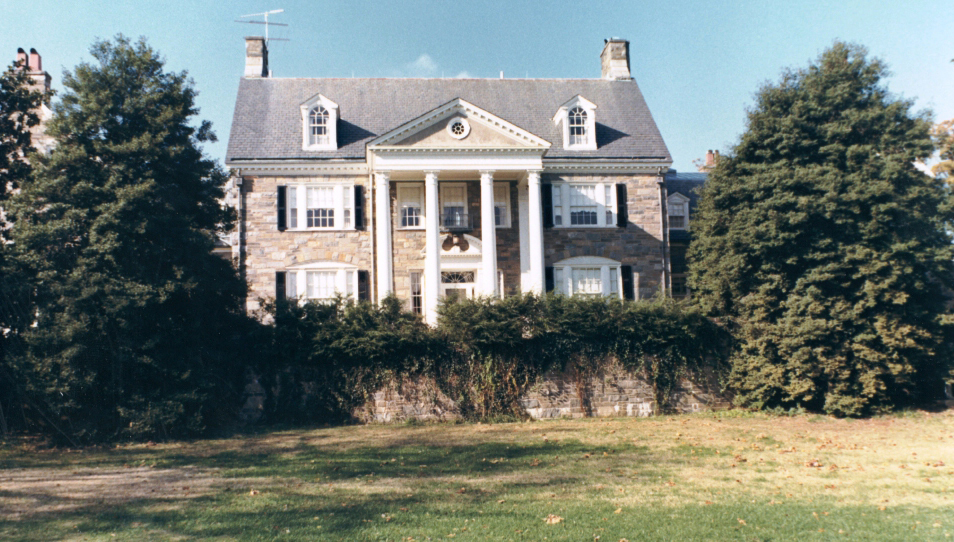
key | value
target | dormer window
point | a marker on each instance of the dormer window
(318, 122)
(678, 212)
(577, 120)
(579, 124)
(319, 117)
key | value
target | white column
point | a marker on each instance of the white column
(383, 212)
(536, 232)
(488, 232)
(432, 256)
(523, 212)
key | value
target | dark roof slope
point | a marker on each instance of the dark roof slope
(267, 120)
(686, 184)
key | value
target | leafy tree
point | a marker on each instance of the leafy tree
(826, 246)
(135, 318)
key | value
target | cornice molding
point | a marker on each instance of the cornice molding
(573, 166)
(255, 167)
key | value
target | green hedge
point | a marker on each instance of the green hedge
(321, 361)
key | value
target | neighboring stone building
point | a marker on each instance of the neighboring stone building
(448, 187)
(40, 80)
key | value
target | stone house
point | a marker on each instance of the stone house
(431, 188)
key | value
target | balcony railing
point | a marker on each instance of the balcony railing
(458, 220)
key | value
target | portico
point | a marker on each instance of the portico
(425, 172)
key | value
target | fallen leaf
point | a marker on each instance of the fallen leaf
(618, 511)
(552, 519)
(253, 492)
(741, 521)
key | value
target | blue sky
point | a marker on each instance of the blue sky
(698, 63)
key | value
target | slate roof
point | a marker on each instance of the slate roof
(267, 121)
(685, 184)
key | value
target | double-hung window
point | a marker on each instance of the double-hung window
(576, 119)
(454, 205)
(584, 205)
(318, 124)
(502, 205)
(678, 211)
(320, 207)
(411, 205)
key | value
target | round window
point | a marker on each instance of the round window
(458, 127)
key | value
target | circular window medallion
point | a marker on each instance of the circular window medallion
(458, 127)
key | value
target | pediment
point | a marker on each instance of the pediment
(481, 130)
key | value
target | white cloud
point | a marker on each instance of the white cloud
(424, 66)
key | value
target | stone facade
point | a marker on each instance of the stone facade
(268, 250)
(612, 392)
(639, 244)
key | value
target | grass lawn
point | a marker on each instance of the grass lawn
(715, 476)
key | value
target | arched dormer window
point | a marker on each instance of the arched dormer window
(318, 124)
(577, 121)
(579, 124)
(319, 119)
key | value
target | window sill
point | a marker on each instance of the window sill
(306, 230)
(587, 227)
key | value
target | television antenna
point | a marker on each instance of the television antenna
(265, 22)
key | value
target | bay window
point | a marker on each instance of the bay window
(587, 276)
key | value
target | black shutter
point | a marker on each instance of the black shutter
(279, 285)
(628, 291)
(358, 208)
(622, 210)
(548, 277)
(546, 199)
(282, 209)
(364, 286)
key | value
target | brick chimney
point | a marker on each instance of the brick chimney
(256, 57)
(712, 158)
(33, 64)
(615, 60)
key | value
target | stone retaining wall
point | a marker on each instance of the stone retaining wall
(612, 392)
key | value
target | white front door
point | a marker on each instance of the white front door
(458, 284)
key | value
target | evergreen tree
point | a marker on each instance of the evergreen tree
(18, 113)
(827, 248)
(135, 318)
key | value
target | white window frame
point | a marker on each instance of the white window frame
(502, 201)
(345, 277)
(677, 199)
(562, 197)
(442, 191)
(610, 276)
(562, 115)
(328, 143)
(409, 194)
(343, 198)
